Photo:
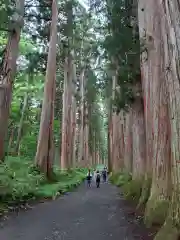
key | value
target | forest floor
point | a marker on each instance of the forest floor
(91, 214)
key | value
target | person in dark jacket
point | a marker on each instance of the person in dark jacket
(104, 174)
(98, 179)
(89, 177)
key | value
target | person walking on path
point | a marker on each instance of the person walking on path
(89, 177)
(104, 174)
(98, 179)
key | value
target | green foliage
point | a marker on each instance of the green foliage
(20, 181)
(132, 190)
(120, 178)
(122, 48)
(156, 211)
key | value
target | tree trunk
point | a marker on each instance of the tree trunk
(138, 144)
(45, 148)
(94, 148)
(109, 143)
(121, 135)
(74, 123)
(113, 124)
(86, 136)
(128, 155)
(169, 11)
(145, 30)
(70, 116)
(8, 71)
(159, 196)
(11, 138)
(81, 144)
(21, 123)
(64, 140)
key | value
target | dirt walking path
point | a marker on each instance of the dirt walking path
(86, 214)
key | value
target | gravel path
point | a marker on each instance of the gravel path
(89, 214)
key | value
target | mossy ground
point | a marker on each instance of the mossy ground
(168, 232)
(20, 181)
(156, 211)
(132, 189)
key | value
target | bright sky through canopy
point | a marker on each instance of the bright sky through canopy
(84, 4)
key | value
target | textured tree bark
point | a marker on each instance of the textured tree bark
(78, 135)
(159, 196)
(110, 142)
(45, 148)
(8, 71)
(65, 120)
(86, 137)
(70, 109)
(138, 144)
(128, 157)
(121, 134)
(145, 18)
(113, 130)
(117, 145)
(81, 143)
(74, 124)
(94, 148)
(169, 12)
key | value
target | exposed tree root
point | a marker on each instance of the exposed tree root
(145, 192)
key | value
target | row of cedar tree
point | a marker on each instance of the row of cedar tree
(45, 148)
(145, 140)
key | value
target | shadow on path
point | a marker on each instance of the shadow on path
(89, 214)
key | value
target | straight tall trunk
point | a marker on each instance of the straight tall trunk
(128, 154)
(64, 140)
(81, 143)
(69, 106)
(113, 124)
(145, 29)
(138, 144)
(45, 148)
(74, 122)
(94, 148)
(8, 72)
(86, 136)
(169, 11)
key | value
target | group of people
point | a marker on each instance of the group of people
(97, 177)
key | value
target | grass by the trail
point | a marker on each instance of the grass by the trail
(20, 181)
(120, 178)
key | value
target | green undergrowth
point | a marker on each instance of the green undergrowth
(169, 231)
(20, 182)
(132, 190)
(156, 211)
(119, 178)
